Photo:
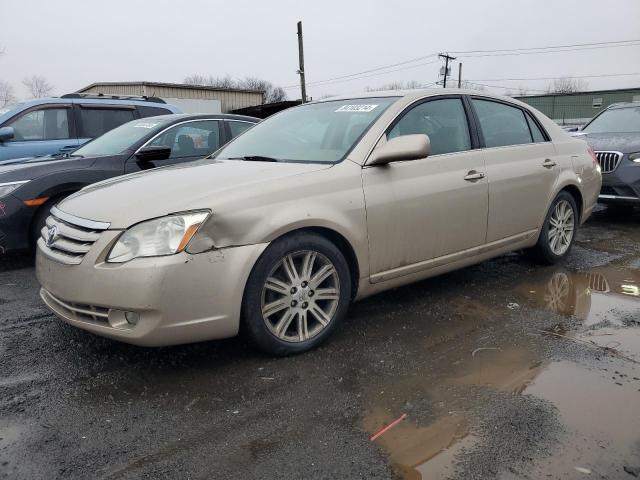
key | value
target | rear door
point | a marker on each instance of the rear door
(41, 130)
(94, 119)
(190, 140)
(521, 165)
(424, 209)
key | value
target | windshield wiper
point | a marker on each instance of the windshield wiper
(255, 158)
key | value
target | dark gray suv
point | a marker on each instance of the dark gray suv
(614, 135)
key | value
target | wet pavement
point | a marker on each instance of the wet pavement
(504, 370)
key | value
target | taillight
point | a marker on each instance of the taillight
(593, 156)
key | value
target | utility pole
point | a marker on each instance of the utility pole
(446, 57)
(460, 75)
(303, 86)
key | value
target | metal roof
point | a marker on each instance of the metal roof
(171, 85)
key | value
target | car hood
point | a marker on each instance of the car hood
(129, 199)
(32, 168)
(618, 142)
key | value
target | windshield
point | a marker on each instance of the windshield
(617, 120)
(121, 138)
(319, 132)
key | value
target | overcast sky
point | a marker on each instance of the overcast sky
(77, 42)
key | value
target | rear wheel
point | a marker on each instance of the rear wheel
(298, 291)
(559, 229)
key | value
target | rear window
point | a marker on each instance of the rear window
(501, 124)
(96, 121)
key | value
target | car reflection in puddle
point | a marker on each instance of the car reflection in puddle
(591, 402)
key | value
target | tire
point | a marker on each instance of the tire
(553, 244)
(282, 309)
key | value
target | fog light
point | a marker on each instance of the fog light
(132, 317)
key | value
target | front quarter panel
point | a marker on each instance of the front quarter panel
(331, 198)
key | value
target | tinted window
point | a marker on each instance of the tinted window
(47, 124)
(191, 139)
(152, 111)
(238, 127)
(316, 132)
(535, 130)
(616, 120)
(502, 124)
(96, 121)
(444, 121)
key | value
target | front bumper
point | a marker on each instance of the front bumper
(15, 224)
(179, 298)
(622, 185)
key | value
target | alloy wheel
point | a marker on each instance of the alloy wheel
(561, 227)
(300, 296)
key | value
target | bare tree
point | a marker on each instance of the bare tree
(271, 93)
(397, 85)
(522, 91)
(6, 94)
(471, 85)
(38, 86)
(567, 85)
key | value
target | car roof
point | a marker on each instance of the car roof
(175, 117)
(419, 93)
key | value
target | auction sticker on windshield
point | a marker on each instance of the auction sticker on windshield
(356, 108)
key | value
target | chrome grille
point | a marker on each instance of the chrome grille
(608, 160)
(598, 282)
(67, 239)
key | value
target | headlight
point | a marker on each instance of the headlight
(7, 188)
(153, 238)
(635, 157)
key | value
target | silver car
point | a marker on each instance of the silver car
(315, 207)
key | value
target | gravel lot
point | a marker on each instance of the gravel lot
(504, 370)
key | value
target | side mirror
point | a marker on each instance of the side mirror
(149, 153)
(7, 133)
(406, 147)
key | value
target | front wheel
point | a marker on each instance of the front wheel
(298, 291)
(559, 229)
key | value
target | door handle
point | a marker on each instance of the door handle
(548, 163)
(472, 176)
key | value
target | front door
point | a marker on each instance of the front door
(188, 141)
(45, 130)
(424, 209)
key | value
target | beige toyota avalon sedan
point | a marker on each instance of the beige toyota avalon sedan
(315, 207)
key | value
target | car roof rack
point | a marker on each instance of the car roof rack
(114, 97)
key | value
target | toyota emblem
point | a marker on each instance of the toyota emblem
(52, 233)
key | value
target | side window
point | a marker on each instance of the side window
(152, 111)
(502, 124)
(190, 139)
(444, 121)
(96, 121)
(46, 124)
(238, 127)
(535, 130)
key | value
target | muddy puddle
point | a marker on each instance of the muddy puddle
(596, 402)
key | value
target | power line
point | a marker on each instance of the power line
(518, 53)
(461, 52)
(382, 70)
(555, 78)
(348, 78)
